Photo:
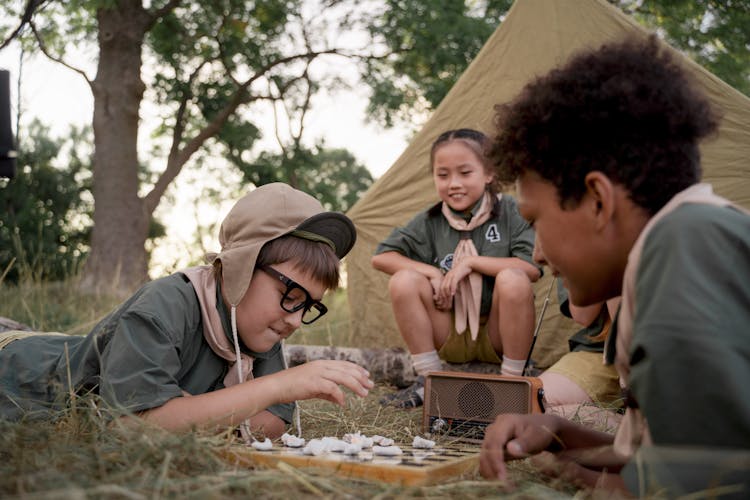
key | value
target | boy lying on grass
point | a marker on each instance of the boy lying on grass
(202, 347)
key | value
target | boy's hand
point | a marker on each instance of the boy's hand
(322, 379)
(514, 436)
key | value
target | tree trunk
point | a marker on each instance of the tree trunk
(118, 258)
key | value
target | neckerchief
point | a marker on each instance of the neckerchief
(468, 299)
(204, 283)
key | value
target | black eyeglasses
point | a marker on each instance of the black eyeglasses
(292, 302)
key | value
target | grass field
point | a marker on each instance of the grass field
(79, 454)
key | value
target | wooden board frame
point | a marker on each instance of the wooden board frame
(416, 467)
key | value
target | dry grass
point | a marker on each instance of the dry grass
(80, 455)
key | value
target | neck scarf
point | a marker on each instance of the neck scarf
(202, 278)
(468, 299)
(633, 429)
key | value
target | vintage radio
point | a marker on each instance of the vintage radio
(462, 404)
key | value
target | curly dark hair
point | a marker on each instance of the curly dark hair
(627, 109)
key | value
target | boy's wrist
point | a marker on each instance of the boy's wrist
(269, 389)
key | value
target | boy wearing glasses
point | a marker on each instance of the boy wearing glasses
(202, 347)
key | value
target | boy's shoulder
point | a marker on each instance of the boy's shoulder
(166, 291)
(693, 231)
(700, 220)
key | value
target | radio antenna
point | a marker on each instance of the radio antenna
(538, 326)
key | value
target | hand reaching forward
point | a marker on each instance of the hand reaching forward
(515, 436)
(323, 379)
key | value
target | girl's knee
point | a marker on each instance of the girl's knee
(513, 281)
(513, 289)
(406, 281)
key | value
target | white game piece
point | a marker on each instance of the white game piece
(352, 449)
(314, 447)
(292, 441)
(264, 445)
(382, 441)
(334, 444)
(420, 442)
(358, 438)
(387, 451)
(350, 437)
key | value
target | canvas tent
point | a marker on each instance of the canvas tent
(535, 36)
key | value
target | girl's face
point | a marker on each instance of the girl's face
(459, 175)
(261, 321)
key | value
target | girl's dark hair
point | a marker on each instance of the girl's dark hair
(314, 257)
(475, 140)
(627, 109)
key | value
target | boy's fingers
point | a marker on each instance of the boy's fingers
(492, 461)
(354, 377)
(516, 448)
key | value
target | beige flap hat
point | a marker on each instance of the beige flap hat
(264, 214)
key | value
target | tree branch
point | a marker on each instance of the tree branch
(276, 120)
(157, 14)
(179, 126)
(45, 51)
(31, 7)
(177, 162)
(222, 54)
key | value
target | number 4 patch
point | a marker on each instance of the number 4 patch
(492, 233)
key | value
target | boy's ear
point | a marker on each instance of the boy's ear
(601, 191)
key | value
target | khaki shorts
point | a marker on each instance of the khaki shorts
(588, 371)
(12, 335)
(460, 348)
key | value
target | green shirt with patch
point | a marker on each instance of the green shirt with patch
(428, 238)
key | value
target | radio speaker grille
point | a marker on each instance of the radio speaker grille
(456, 402)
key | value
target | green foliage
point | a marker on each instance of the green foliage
(332, 175)
(203, 51)
(430, 43)
(72, 22)
(45, 210)
(715, 33)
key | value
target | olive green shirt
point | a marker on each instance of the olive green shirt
(428, 238)
(690, 351)
(144, 353)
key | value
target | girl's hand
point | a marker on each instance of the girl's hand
(323, 380)
(440, 302)
(451, 280)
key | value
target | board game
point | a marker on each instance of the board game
(415, 466)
